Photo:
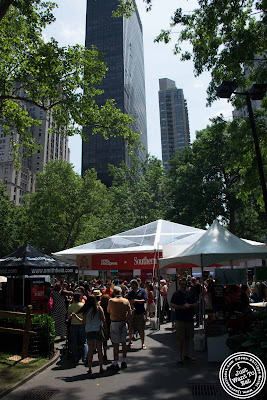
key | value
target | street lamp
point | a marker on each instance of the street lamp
(256, 92)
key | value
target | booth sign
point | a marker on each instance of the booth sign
(125, 261)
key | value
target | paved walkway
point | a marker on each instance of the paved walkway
(151, 374)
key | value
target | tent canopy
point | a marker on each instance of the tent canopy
(216, 245)
(27, 260)
(138, 248)
(146, 238)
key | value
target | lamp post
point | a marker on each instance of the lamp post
(257, 92)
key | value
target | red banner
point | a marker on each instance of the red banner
(125, 261)
(37, 295)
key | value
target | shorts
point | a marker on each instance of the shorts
(184, 329)
(118, 335)
(137, 321)
(151, 308)
(93, 335)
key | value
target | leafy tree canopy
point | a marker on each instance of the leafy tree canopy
(216, 177)
(225, 37)
(60, 80)
(136, 196)
(11, 224)
(62, 206)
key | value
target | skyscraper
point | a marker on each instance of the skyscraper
(174, 123)
(21, 181)
(121, 41)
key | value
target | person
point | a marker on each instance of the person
(124, 287)
(184, 303)
(137, 298)
(196, 290)
(77, 331)
(150, 309)
(262, 291)
(97, 294)
(48, 291)
(101, 285)
(93, 316)
(59, 311)
(108, 289)
(104, 304)
(119, 309)
(164, 301)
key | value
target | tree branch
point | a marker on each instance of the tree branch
(27, 100)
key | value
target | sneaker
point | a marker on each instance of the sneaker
(114, 367)
(189, 358)
(123, 365)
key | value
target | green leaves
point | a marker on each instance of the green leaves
(225, 38)
(136, 196)
(59, 80)
(62, 205)
(217, 176)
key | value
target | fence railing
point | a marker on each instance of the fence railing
(26, 332)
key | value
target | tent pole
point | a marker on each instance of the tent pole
(23, 290)
(202, 305)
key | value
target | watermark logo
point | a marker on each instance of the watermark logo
(242, 375)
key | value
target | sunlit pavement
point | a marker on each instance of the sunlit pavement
(151, 374)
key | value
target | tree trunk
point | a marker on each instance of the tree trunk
(4, 6)
(232, 219)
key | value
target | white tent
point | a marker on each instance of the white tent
(216, 245)
(158, 238)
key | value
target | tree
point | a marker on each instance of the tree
(210, 180)
(62, 206)
(136, 196)
(11, 223)
(59, 80)
(225, 37)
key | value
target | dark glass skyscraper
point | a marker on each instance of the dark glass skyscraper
(174, 123)
(121, 40)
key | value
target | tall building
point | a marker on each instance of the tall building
(174, 124)
(121, 41)
(22, 181)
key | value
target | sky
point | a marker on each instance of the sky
(160, 62)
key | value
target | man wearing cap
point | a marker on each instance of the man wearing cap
(119, 309)
(138, 298)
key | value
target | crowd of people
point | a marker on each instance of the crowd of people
(100, 310)
(116, 306)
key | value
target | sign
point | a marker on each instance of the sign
(125, 261)
(38, 295)
(231, 276)
(84, 262)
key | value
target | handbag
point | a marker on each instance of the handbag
(50, 304)
(103, 333)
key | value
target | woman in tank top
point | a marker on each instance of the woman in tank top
(93, 317)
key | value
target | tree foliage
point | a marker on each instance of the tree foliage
(11, 224)
(59, 80)
(224, 37)
(62, 206)
(136, 196)
(215, 177)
